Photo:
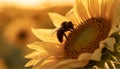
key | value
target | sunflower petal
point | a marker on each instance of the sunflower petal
(71, 16)
(117, 13)
(35, 46)
(41, 64)
(96, 56)
(116, 20)
(44, 35)
(70, 63)
(54, 50)
(111, 8)
(32, 55)
(104, 4)
(93, 7)
(36, 62)
(95, 67)
(112, 64)
(49, 64)
(84, 56)
(57, 19)
(114, 30)
(106, 66)
(48, 47)
(37, 55)
(32, 62)
(80, 10)
(45, 48)
(109, 43)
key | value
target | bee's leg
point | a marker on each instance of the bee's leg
(65, 36)
(66, 39)
(71, 30)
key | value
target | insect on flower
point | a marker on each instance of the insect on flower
(65, 26)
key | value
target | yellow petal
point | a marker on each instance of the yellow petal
(95, 67)
(84, 56)
(80, 10)
(45, 48)
(109, 43)
(116, 19)
(93, 7)
(103, 8)
(32, 62)
(71, 16)
(37, 55)
(54, 50)
(36, 46)
(112, 64)
(44, 35)
(106, 66)
(48, 47)
(57, 19)
(114, 30)
(36, 62)
(70, 63)
(32, 55)
(48, 64)
(96, 56)
(111, 8)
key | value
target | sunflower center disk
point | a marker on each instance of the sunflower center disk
(86, 37)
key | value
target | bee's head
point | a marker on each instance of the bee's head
(67, 25)
(70, 25)
(64, 24)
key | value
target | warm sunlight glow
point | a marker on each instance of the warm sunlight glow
(26, 2)
(21, 3)
(33, 4)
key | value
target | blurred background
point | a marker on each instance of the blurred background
(17, 17)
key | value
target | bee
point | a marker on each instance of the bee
(65, 26)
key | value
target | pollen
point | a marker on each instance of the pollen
(86, 37)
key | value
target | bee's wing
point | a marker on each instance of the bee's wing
(57, 19)
(55, 30)
(72, 17)
(44, 35)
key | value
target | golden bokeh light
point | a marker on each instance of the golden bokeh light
(33, 4)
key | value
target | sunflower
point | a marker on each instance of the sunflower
(95, 36)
